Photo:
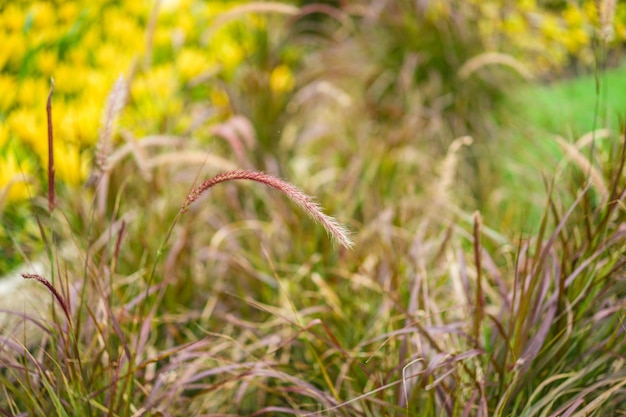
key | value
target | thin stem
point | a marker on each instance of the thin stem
(51, 192)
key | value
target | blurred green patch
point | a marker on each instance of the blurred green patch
(574, 106)
(522, 158)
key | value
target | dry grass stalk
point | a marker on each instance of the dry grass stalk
(480, 299)
(254, 7)
(139, 153)
(589, 137)
(491, 58)
(448, 171)
(115, 103)
(137, 147)
(334, 229)
(150, 29)
(188, 158)
(54, 292)
(585, 166)
(606, 16)
(239, 133)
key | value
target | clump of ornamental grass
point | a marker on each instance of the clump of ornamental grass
(98, 355)
(555, 343)
(435, 320)
(428, 318)
(111, 347)
(535, 330)
(236, 307)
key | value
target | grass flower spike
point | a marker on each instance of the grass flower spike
(53, 291)
(334, 229)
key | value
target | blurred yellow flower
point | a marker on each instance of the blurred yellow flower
(214, 8)
(99, 84)
(573, 16)
(4, 134)
(32, 92)
(69, 79)
(576, 40)
(13, 17)
(92, 41)
(158, 83)
(191, 63)
(162, 38)
(226, 51)
(515, 24)
(77, 122)
(41, 37)
(112, 58)
(186, 24)
(281, 79)
(551, 29)
(42, 14)
(620, 30)
(14, 180)
(591, 11)
(219, 98)
(100, 40)
(527, 5)
(70, 165)
(46, 62)
(124, 29)
(12, 50)
(8, 86)
(68, 11)
(29, 127)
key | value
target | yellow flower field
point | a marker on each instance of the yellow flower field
(85, 47)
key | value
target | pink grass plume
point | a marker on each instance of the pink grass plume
(334, 229)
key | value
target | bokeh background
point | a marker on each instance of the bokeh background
(473, 148)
